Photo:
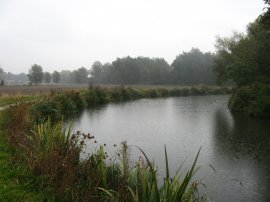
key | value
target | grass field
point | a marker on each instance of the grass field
(32, 90)
(14, 94)
(40, 89)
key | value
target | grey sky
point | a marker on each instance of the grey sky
(68, 34)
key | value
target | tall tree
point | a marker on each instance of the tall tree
(81, 75)
(244, 58)
(35, 74)
(47, 77)
(2, 82)
(56, 77)
(193, 67)
(128, 70)
(96, 72)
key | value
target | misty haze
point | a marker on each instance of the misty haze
(134, 100)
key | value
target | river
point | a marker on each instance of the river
(235, 157)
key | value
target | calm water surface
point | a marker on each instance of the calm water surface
(236, 146)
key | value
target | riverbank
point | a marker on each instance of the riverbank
(251, 99)
(52, 155)
(16, 93)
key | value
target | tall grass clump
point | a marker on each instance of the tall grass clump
(141, 182)
(96, 96)
(54, 156)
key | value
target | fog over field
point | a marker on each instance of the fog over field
(70, 34)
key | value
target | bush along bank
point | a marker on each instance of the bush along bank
(69, 104)
(252, 99)
(35, 134)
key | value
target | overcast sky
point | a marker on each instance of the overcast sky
(68, 34)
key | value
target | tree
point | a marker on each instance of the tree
(128, 70)
(193, 67)
(96, 72)
(2, 82)
(244, 58)
(56, 77)
(1, 73)
(47, 77)
(35, 74)
(81, 75)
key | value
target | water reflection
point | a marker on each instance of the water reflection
(237, 146)
(242, 136)
(242, 147)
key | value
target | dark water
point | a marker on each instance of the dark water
(236, 146)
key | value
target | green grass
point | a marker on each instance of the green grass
(16, 184)
(8, 100)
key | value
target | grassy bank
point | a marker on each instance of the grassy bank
(51, 155)
(16, 184)
(68, 104)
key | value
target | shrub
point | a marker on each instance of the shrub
(77, 99)
(42, 110)
(253, 99)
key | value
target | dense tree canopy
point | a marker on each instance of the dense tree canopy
(127, 70)
(244, 58)
(35, 74)
(193, 67)
(81, 75)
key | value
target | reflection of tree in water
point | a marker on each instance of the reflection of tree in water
(241, 136)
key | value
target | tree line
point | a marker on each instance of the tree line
(188, 68)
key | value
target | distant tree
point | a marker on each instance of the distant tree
(2, 82)
(81, 75)
(35, 74)
(66, 76)
(56, 77)
(11, 78)
(193, 67)
(128, 70)
(96, 72)
(47, 77)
